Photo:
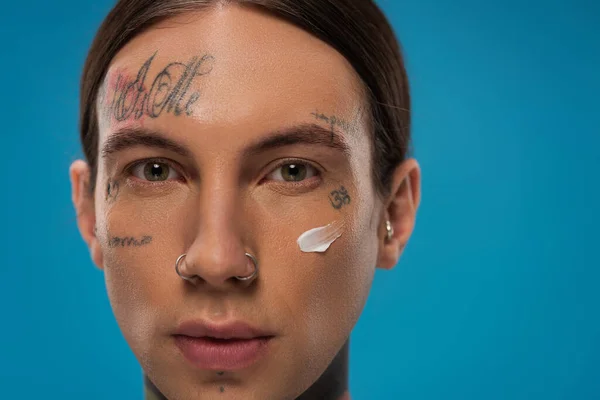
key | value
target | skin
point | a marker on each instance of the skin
(219, 202)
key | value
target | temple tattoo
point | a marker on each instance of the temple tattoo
(338, 198)
(333, 121)
(169, 91)
(112, 191)
(129, 241)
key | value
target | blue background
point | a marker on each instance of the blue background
(496, 296)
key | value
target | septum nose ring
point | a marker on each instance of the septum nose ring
(240, 278)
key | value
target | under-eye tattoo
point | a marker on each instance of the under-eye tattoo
(129, 241)
(333, 121)
(222, 389)
(112, 191)
(338, 198)
(168, 93)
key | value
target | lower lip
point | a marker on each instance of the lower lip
(225, 355)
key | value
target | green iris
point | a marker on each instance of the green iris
(293, 172)
(156, 171)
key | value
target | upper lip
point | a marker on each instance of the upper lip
(228, 330)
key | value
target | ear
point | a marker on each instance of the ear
(83, 200)
(401, 210)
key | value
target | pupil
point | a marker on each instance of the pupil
(294, 172)
(156, 172)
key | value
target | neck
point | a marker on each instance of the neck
(332, 385)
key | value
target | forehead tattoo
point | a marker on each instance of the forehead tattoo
(126, 97)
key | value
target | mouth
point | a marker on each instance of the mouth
(223, 347)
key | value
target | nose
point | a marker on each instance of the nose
(218, 257)
(194, 279)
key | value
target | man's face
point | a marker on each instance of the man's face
(188, 164)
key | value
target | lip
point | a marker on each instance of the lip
(229, 330)
(225, 347)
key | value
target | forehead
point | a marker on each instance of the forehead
(256, 64)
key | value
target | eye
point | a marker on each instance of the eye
(293, 172)
(154, 171)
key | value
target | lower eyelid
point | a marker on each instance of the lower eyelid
(296, 188)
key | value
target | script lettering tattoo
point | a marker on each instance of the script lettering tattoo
(333, 121)
(168, 92)
(338, 198)
(129, 241)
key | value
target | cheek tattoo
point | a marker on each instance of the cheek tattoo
(338, 198)
(167, 93)
(129, 241)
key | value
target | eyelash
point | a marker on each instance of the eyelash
(174, 166)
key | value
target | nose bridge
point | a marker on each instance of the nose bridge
(217, 252)
(218, 226)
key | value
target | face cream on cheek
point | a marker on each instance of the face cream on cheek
(318, 240)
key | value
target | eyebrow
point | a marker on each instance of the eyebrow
(306, 134)
(127, 138)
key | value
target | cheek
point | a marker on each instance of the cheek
(326, 292)
(347, 268)
(138, 271)
(342, 282)
(136, 291)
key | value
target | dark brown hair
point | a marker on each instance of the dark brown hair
(355, 28)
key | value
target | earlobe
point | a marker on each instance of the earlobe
(83, 201)
(400, 213)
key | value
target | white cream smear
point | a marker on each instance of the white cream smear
(318, 240)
